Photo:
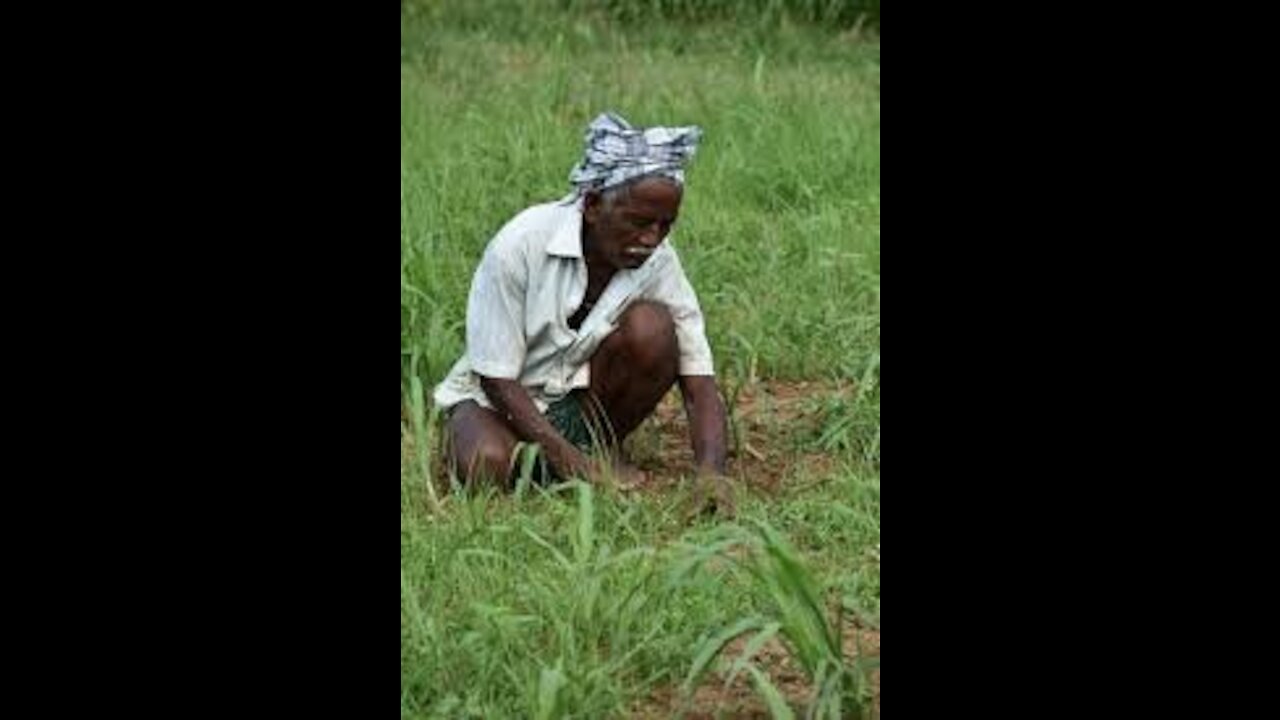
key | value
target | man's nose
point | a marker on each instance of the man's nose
(652, 235)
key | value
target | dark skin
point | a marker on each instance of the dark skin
(630, 373)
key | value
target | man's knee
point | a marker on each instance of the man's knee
(650, 334)
(490, 460)
(478, 449)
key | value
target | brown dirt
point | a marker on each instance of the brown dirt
(772, 419)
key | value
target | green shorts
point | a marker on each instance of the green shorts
(569, 417)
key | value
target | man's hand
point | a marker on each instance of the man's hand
(712, 494)
(708, 424)
(626, 477)
(610, 471)
(599, 470)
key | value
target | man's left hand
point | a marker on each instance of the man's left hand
(713, 494)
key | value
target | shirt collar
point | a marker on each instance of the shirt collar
(567, 241)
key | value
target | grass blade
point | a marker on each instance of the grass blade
(773, 699)
(711, 648)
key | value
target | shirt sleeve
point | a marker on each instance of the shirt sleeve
(673, 289)
(495, 315)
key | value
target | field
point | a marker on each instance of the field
(584, 602)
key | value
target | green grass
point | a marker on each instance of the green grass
(781, 223)
(609, 597)
(580, 604)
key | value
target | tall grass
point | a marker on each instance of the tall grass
(795, 611)
(522, 19)
(833, 13)
(570, 604)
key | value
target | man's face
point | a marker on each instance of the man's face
(626, 233)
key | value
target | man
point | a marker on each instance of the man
(580, 319)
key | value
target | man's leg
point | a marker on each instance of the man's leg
(635, 367)
(480, 445)
(630, 373)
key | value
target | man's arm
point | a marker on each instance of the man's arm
(512, 401)
(708, 427)
(707, 422)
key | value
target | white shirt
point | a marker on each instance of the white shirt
(531, 279)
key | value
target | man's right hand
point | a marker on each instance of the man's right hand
(626, 477)
(605, 471)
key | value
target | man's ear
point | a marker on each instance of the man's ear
(591, 206)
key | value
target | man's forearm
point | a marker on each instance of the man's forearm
(707, 422)
(512, 401)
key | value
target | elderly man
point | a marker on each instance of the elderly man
(580, 319)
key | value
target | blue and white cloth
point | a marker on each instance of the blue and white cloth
(617, 152)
